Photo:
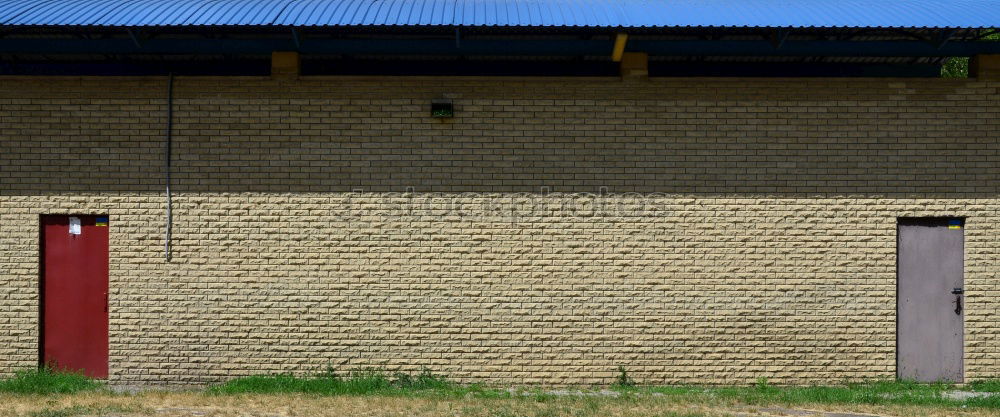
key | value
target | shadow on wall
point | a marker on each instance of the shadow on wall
(759, 137)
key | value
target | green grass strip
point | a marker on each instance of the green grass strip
(355, 383)
(46, 381)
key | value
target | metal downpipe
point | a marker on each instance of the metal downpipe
(168, 150)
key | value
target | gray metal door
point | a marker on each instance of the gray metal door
(929, 288)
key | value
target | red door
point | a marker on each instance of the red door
(75, 294)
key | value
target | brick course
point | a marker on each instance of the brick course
(747, 226)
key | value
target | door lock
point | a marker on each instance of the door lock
(958, 299)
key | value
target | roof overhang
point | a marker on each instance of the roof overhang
(608, 14)
(867, 32)
(504, 47)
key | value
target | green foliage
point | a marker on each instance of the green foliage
(765, 387)
(46, 381)
(983, 402)
(623, 380)
(986, 385)
(958, 67)
(373, 382)
(537, 402)
(353, 383)
(422, 381)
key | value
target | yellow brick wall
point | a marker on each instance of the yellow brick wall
(690, 230)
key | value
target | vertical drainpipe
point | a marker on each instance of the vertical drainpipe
(168, 150)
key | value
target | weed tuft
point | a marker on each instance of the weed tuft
(764, 386)
(623, 380)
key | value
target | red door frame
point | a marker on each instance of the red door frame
(87, 352)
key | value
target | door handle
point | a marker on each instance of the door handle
(958, 299)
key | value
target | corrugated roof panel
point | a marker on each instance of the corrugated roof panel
(140, 12)
(11, 10)
(391, 11)
(150, 13)
(409, 14)
(569, 13)
(354, 10)
(601, 16)
(373, 13)
(485, 14)
(299, 13)
(423, 14)
(406, 11)
(524, 13)
(56, 12)
(237, 12)
(447, 13)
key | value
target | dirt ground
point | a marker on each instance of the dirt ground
(177, 404)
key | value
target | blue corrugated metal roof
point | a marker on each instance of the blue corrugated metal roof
(522, 13)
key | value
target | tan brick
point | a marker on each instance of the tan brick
(749, 229)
